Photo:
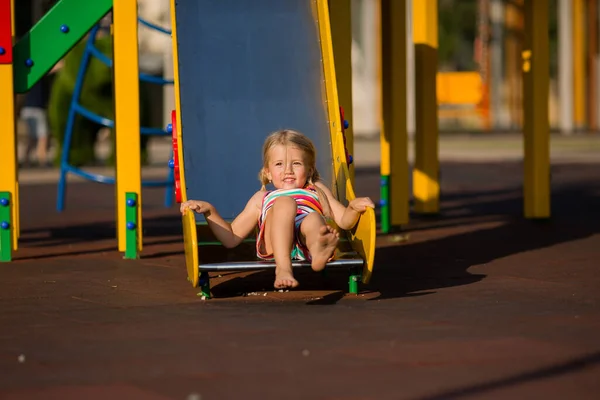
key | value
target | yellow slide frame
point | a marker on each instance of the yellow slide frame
(188, 219)
(362, 237)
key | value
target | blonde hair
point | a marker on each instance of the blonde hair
(289, 137)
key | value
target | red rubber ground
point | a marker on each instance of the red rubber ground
(474, 303)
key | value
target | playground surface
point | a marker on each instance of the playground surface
(473, 303)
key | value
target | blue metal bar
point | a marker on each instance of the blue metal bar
(110, 180)
(152, 131)
(99, 55)
(155, 79)
(153, 26)
(109, 123)
(143, 76)
(93, 116)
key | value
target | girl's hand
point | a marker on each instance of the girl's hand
(201, 207)
(360, 204)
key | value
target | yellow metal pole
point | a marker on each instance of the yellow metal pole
(127, 116)
(426, 189)
(16, 201)
(536, 80)
(592, 46)
(394, 137)
(341, 35)
(8, 145)
(579, 92)
(513, 48)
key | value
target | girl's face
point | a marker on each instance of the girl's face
(286, 167)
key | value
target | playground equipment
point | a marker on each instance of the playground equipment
(218, 110)
(395, 192)
(462, 94)
(242, 70)
(23, 63)
(76, 108)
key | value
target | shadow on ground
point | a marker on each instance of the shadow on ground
(480, 221)
(474, 227)
(571, 366)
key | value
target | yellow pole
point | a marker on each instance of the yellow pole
(536, 79)
(16, 201)
(513, 48)
(592, 46)
(394, 137)
(127, 115)
(426, 189)
(579, 92)
(341, 35)
(8, 145)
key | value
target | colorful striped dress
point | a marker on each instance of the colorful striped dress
(307, 201)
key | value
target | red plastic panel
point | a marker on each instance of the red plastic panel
(6, 55)
(175, 157)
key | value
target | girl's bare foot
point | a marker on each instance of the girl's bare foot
(284, 279)
(322, 249)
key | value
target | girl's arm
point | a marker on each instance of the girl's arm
(229, 234)
(346, 217)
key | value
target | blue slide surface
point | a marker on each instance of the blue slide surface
(247, 68)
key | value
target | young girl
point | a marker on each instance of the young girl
(292, 218)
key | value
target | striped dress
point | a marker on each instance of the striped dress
(307, 201)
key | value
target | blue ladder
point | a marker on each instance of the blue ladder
(77, 109)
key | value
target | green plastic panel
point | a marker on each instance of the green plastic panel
(131, 237)
(5, 234)
(385, 204)
(353, 284)
(46, 43)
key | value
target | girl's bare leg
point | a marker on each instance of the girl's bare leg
(279, 238)
(320, 239)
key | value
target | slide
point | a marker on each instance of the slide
(52, 37)
(244, 69)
